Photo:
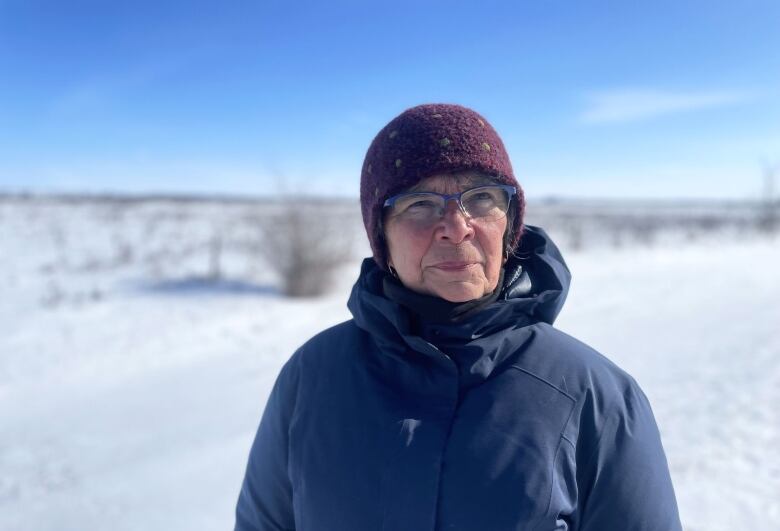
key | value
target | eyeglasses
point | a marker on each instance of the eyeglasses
(487, 203)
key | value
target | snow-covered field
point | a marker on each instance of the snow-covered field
(134, 365)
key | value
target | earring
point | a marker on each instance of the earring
(392, 270)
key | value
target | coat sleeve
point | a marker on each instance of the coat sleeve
(265, 501)
(625, 483)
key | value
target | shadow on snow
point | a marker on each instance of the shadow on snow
(195, 286)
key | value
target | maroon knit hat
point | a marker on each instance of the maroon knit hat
(427, 140)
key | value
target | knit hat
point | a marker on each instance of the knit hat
(427, 140)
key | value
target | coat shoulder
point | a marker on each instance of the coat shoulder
(343, 339)
(602, 393)
(573, 366)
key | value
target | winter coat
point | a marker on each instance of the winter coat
(506, 424)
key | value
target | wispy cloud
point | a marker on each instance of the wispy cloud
(626, 105)
(102, 89)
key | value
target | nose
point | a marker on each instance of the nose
(454, 226)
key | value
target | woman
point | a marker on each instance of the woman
(449, 402)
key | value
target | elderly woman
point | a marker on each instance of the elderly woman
(449, 401)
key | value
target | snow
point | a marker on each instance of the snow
(131, 382)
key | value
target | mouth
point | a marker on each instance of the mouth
(454, 266)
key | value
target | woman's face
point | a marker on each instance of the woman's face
(457, 258)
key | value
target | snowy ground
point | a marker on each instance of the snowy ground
(131, 385)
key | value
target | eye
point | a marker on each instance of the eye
(487, 202)
(422, 203)
(416, 204)
(482, 196)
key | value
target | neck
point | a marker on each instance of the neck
(431, 309)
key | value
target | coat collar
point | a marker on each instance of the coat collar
(536, 282)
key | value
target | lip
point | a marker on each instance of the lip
(453, 266)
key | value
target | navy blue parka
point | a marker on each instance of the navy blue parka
(499, 422)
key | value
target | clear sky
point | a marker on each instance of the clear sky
(599, 98)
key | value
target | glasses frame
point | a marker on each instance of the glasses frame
(510, 190)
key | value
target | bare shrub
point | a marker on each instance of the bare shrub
(645, 231)
(305, 244)
(154, 262)
(123, 252)
(53, 296)
(215, 256)
(574, 231)
(768, 219)
(616, 233)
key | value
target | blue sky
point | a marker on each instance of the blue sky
(607, 99)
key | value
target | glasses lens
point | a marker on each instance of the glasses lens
(419, 206)
(490, 202)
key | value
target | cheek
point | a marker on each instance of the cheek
(415, 248)
(407, 249)
(493, 246)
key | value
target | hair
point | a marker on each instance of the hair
(510, 242)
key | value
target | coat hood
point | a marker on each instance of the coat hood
(536, 282)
